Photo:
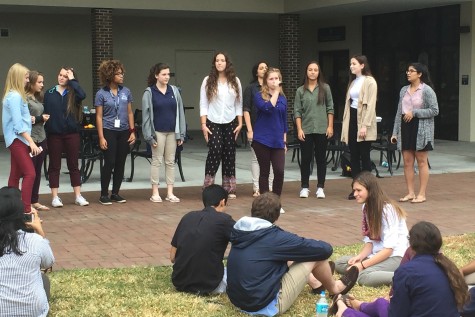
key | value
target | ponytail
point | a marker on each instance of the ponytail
(456, 280)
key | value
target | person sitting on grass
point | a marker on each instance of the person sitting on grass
(468, 272)
(24, 290)
(260, 279)
(199, 243)
(384, 232)
(427, 285)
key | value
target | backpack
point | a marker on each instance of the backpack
(345, 162)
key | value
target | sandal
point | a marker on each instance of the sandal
(156, 199)
(40, 207)
(333, 309)
(256, 193)
(418, 200)
(173, 199)
(407, 198)
(349, 279)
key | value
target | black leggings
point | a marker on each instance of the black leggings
(114, 160)
(360, 151)
(314, 144)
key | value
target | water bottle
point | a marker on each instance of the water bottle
(85, 110)
(322, 306)
(384, 164)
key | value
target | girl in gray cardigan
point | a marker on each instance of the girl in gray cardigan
(163, 127)
(414, 128)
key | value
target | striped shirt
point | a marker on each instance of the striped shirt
(21, 285)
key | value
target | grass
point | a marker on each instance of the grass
(148, 291)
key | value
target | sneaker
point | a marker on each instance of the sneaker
(304, 193)
(81, 201)
(172, 199)
(117, 198)
(320, 193)
(282, 211)
(105, 200)
(57, 202)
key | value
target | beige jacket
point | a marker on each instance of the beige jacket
(366, 111)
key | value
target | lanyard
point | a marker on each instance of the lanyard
(116, 102)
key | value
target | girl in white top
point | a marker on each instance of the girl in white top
(384, 234)
(220, 106)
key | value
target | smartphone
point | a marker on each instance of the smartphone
(28, 217)
(41, 150)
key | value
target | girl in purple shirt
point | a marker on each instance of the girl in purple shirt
(270, 131)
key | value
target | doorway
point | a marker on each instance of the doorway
(334, 67)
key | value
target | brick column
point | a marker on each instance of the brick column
(102, 47)
(289, 56)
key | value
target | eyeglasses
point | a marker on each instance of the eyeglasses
(411, 71)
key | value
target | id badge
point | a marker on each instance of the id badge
(117, 123)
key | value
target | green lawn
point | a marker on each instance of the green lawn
(148, 291)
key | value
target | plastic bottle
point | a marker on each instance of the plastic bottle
(322, 306)
(384, 164)
(85, 110)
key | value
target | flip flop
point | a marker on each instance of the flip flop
(334, 307)
(407, 198)
(41, 207)
(418, 200)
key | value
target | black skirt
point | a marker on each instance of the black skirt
(409, 135)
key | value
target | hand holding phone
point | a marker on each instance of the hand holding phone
(28, 218)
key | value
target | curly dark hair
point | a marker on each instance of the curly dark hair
(212, 82)
(108, 69)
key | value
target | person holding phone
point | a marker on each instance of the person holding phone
(63, 103)
(220, 108)
(16, 124)
(359, 118)
(414, 128)
(34, 95)
(24, 251)
(115, 127)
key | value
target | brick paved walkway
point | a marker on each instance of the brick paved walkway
(139, 232)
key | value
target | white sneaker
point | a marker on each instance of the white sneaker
(81, 201)
(57, 202)
(320, 193)
(282, 211)
(304, 193)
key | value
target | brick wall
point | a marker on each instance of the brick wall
(289, 57)
(102, 48)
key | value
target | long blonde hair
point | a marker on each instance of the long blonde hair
(16, 80)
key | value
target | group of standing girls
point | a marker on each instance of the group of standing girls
(25, 118)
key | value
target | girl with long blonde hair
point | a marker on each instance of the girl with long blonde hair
(16, 122)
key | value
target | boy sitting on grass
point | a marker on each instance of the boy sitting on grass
(199, 243)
